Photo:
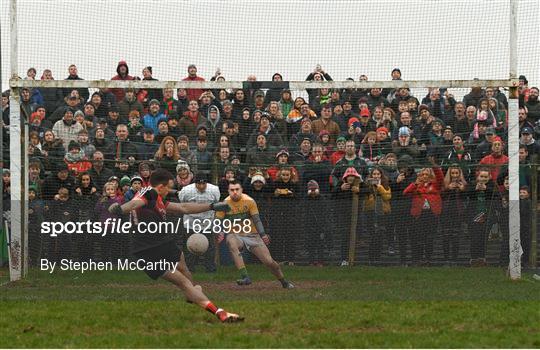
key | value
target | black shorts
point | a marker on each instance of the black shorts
(168, 251)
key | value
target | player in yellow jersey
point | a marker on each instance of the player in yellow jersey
(252, 236)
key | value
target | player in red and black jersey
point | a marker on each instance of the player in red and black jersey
(149, 206)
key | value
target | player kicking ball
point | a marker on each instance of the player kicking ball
(253, 238)
(149, 205)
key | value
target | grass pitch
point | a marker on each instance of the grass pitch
(331, 308)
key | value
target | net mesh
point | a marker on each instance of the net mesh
(448, 40)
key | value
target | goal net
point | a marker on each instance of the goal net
(367, 133)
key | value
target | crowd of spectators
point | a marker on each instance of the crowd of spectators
(419, 164)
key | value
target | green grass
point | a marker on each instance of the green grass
(331, 308)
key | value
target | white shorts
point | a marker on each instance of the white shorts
(249, 241)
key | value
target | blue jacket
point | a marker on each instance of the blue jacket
(151, 121)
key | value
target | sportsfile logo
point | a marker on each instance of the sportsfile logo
(109, 226)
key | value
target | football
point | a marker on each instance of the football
(197, 244)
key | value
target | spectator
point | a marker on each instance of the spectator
(458, 155)
(191, 119)
(186, 154)
(350, 159)
(122, 147)
(144, 96)
(454, 198)
(167, 155)
(533, 105)
(101, 109)
(528, 140)
(85, 198)
(481, 208)
(135, 128)
(67, 129)
(128, 104)
(318, 168)
(426, 207)
(145, 170)
(99, 173)
(203, 156)
(135, 186)
(304, 152)
(169, 104)
(76, 160)
(261, 154)
(73, 75)
(58, 179)
(340, 150)
(213, 124)
(52, 97)
(245, 126)
(274, 93)
(325, 122)
(193, 94)
(348, 185)
(163, 131)
(496, 159)
(122, 73)
(239, 103)
(282, 160)
(376, 206)
(184, 176)
(277, 120)
(152, 118)
(285, 102)
(305, 131)
(403, 145)
(318, 74)
(473, 97)
(272, 137)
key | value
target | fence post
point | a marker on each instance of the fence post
(354, 224)
(534, 212)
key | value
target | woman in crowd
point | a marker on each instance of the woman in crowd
(377, 210)
(426, 208)
(168, 154)
(454, 198)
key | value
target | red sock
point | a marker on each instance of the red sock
(210, 307)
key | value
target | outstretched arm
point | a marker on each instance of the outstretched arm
(133, 204)
(194, 208)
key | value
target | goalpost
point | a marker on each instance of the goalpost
(19, 130)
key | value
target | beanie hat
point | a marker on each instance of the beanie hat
(182, 164)
(258, 177)
(135, 178)
(153, 101)
(341, 139)
(312, 185)
(73, 145)
(125, 181)
(404, 131)
(382, 128)
(351, 171)
(364, 112)
(282, 152)
(323, 132)
(34, 116)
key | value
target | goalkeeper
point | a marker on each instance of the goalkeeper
(253, 238)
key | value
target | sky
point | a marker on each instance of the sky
(426, 39)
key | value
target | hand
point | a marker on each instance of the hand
(78, 191)
(56, 197)
(355, 189)
(220, 206)
(345, 186)
(116, 209)
(93, 190)
(266, 239)
(400, 177)
(220, 237)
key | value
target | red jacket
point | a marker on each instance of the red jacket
(494, 164)
(431, 192)
(194, 94)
